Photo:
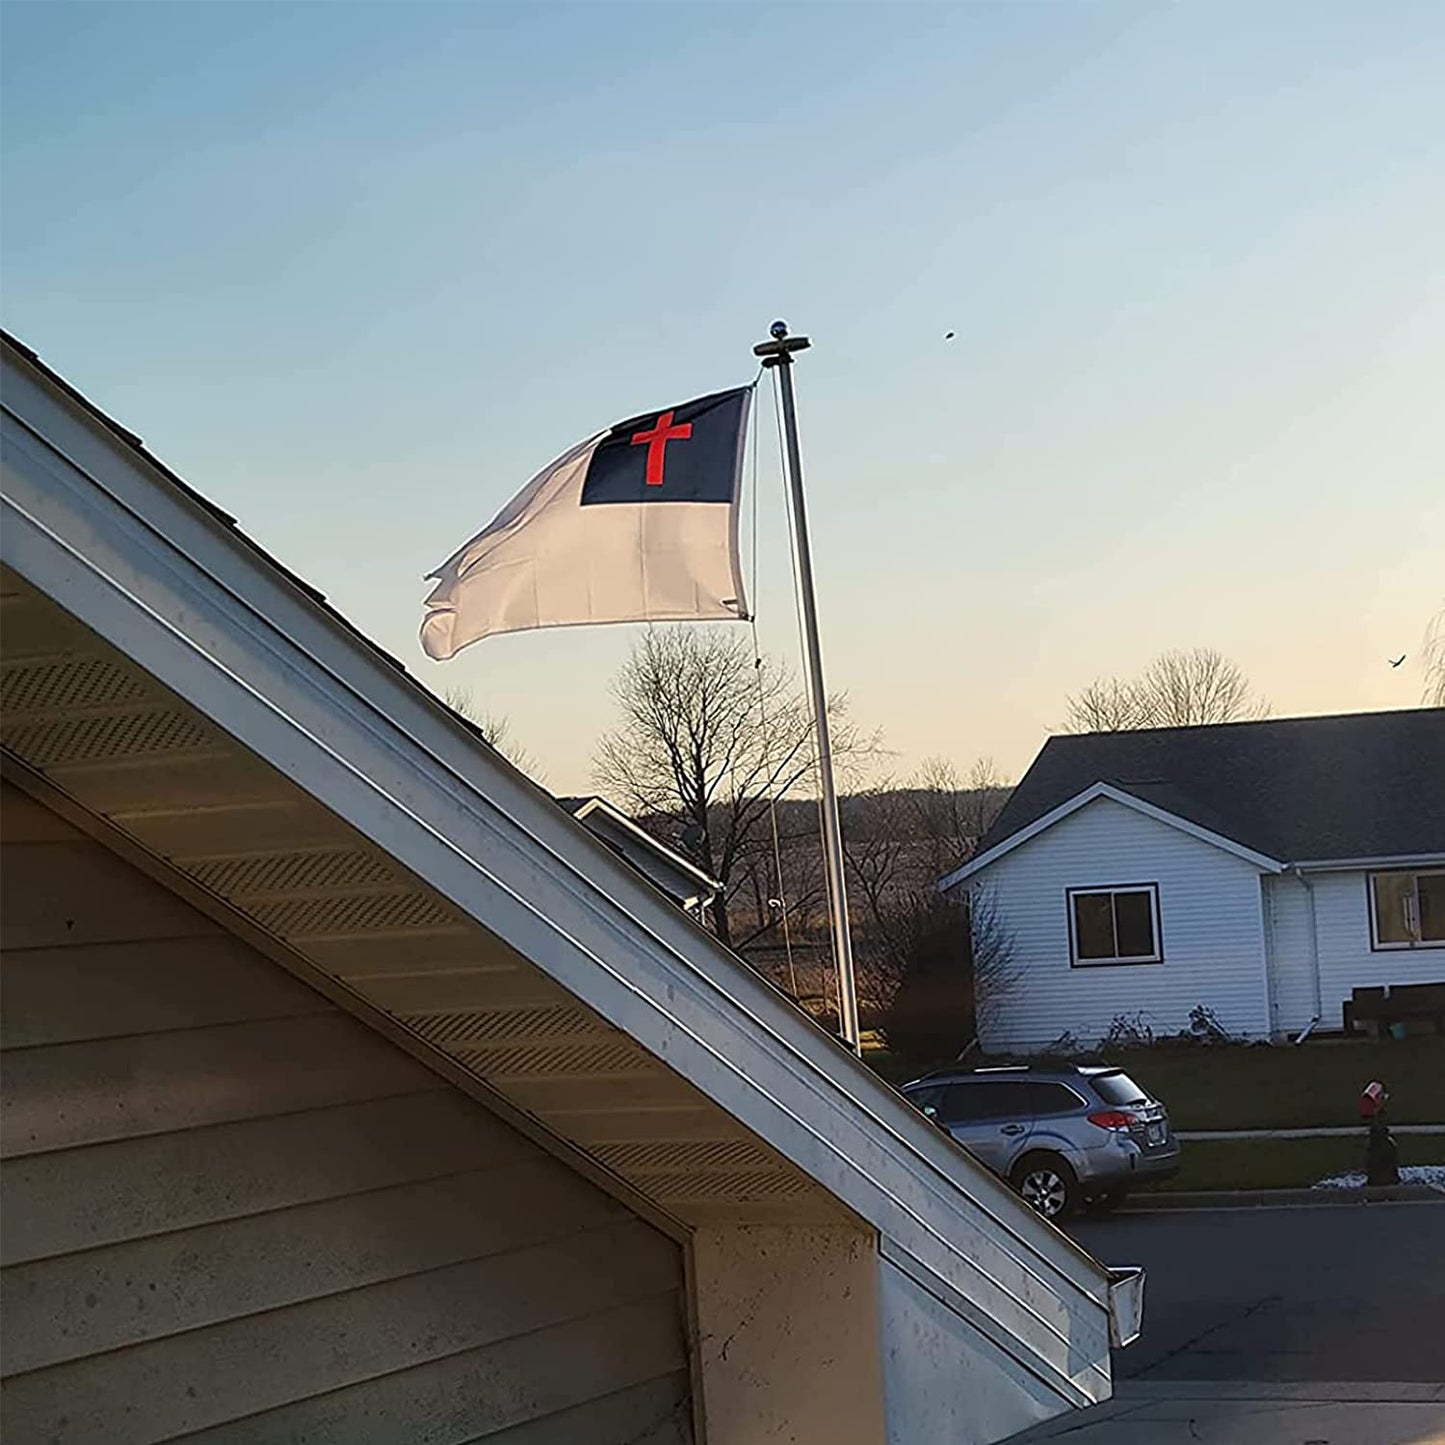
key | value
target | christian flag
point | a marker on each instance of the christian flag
(637, 524)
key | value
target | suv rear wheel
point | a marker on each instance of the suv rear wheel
(1047, 1184)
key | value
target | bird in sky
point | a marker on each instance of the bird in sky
(948, 336)
(1396, 661)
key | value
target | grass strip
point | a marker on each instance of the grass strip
(1315, 1085)
(1286, 1163)
(1262, 1086)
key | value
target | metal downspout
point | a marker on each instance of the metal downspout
(1319, 1012)
(1271, 957)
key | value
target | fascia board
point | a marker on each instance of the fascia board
(1118, 795)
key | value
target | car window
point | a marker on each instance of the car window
(926, 1099)
(1053, 1099)
(985, 1099)
(1118, 1088)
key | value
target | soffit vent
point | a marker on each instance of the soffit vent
(87, 709)
(614, 1057)
(680, 1156)
(734, 1188)
(69, 684)
(509, 1026)
(60, 741)
(284, 875)
(339, 917)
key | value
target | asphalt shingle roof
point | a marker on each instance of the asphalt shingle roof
(1357, 785)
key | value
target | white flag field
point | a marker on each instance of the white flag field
(636, 524)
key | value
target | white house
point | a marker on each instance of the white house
(1265, 870)
(355, 1092)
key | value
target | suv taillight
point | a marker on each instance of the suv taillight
(1112, 1119)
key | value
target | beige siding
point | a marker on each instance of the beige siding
(234, 1213)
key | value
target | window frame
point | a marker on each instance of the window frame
(1131, 961)
(1407, 944)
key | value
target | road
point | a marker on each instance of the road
(1343, 1293)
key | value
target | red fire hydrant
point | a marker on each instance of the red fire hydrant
(1382, 1164)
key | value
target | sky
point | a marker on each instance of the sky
(357, 271)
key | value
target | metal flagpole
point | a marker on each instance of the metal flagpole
(779, 353)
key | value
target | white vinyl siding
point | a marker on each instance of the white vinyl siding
(1347, 959)
(1210, 926)
(232, 1212)
(1287, 907)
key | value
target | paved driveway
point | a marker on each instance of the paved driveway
(1349, 1292)
(1301, 1326)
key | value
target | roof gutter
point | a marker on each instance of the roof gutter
(1392, 860)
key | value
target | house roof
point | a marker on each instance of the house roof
(1309, 789)
(638, 847)
(578, 807)
(247, 739)
(985, 859)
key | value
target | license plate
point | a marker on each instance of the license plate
(1156, 1134)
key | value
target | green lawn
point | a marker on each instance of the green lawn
(1287, 1163)
(1316, 1085)
(1267, 1087)
(1280, 1087)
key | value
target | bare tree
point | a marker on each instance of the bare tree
(1198, 686)
(994, 954)
(798, 897)
(956, 961)
(1178, 689)
(708, 739)
(1107, 705)
(898, 840)
(494, 729)
(901, 837)
(877, 841)
(951, 812)
(984, 794)
(1434, 694)
(940, 812)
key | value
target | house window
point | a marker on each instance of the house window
(1407, 910)
(1115, 925)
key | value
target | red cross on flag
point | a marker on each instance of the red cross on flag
(636, 524)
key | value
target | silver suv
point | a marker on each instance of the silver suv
(1066, 1138)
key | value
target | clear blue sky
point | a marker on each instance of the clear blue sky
(357, 270)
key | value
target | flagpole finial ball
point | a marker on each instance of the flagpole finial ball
(778, 330)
